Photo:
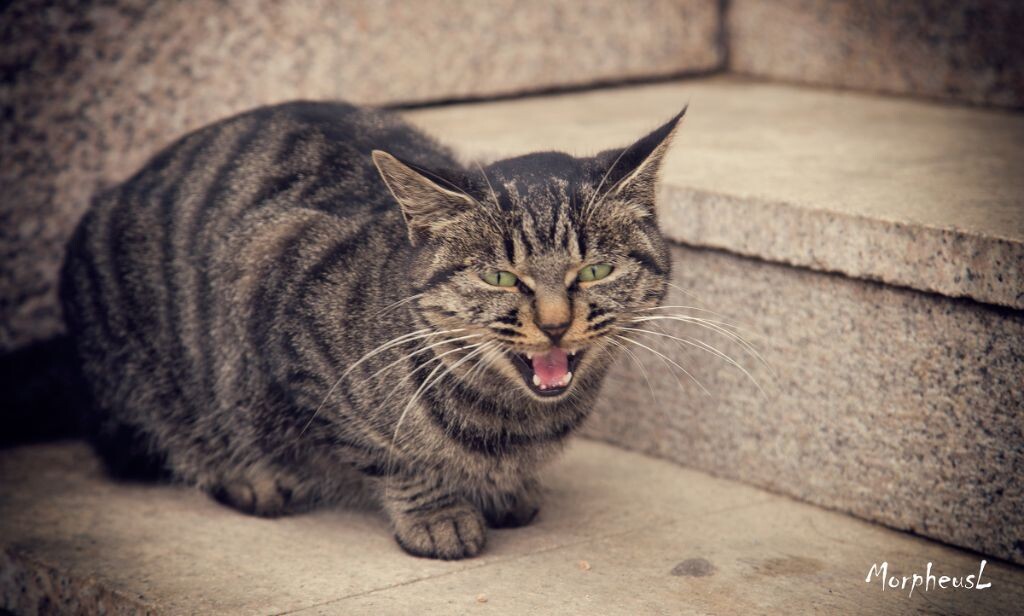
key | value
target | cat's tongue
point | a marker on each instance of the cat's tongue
(551, 367)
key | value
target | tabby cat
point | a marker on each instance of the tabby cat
(258, 317)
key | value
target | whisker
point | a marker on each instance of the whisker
(722, 327)
(717, 314)
(643, 371)
(398, 303)
(700, 344)
(427, 383)
(637, 360)
(668, 359)
(482, 364)
(398, 341)
(674, 375)
(587, 210)
(683, 291)
(494, 195)
(493, 216)
(436, 358)
(423, 350)
(747, 347)
(731, 328)
(725, 328)
(715, 326)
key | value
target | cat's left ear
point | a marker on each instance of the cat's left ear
(640, 163)
(426, 206)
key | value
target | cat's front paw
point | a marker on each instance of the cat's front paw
(521, 515)
(266, 496)
(450, 533)
(513, 510)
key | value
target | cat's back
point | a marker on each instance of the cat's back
(306, 154)
(192, 203)
(166, 270)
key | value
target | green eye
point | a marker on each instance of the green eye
(500, 279)
(591, 273)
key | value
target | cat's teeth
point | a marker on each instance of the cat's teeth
(563, 382)
(530, 357)
(571, 353)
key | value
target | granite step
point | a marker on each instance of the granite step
(968, 52)
(93, 90)
(914, 194)
(620, 533)
(900, 402)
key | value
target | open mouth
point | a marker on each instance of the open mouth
(549, 373)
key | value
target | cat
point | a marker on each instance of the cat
(315, 303)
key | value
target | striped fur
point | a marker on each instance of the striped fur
(230, 301)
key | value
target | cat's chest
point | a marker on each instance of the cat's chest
(497, 472)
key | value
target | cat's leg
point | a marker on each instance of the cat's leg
(513, 508)
(262, 492)
(430, 520)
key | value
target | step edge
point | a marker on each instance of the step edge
(934, 259)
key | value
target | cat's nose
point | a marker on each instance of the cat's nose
(556, 331)
(553, 311)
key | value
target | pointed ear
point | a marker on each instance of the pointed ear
(641, 162)
(426, 206)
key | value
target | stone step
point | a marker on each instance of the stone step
(897, 405)
(92, 90)
(914, 194)
(959, 51)
(620, 533)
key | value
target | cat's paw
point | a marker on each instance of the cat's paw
(266, 497)
(449, 534)
(513, 510)
(513, 518)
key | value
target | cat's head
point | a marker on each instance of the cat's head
(532, 264)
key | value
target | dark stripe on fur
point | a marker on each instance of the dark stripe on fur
(441, 276)
(647, 261)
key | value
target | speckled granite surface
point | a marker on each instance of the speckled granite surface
(89, 90)
(969, 51)
(915, 194)
(654, 538)
(898, 406)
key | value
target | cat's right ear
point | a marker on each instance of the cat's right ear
(426, 206)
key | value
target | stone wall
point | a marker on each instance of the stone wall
(965, 51)
(898, 406)
(90, 90)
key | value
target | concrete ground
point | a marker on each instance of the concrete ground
(621, 533)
